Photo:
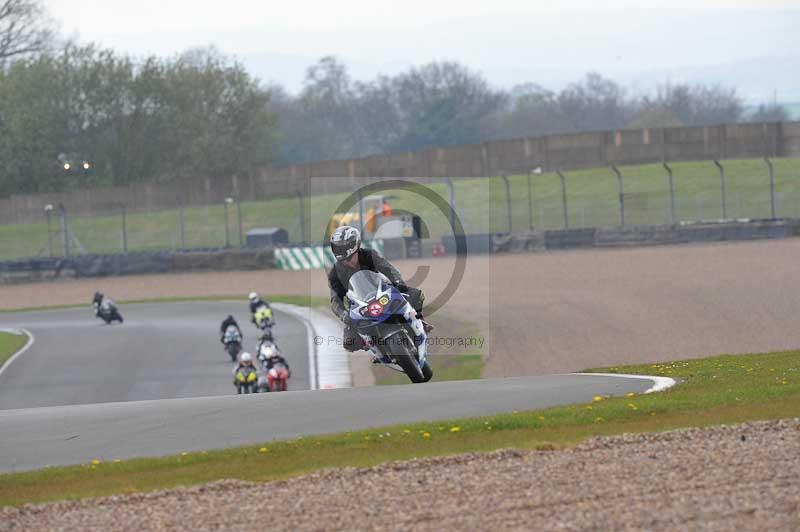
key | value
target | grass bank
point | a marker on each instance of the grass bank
(716, 390)
(455, 352)
(10, 344)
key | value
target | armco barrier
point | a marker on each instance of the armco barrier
(43, 269)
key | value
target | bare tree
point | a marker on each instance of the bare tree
(25, 28)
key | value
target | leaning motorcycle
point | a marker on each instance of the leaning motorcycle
(246, 380)
(232, 342)
(263, 319)
(107, 311)
(384, 318)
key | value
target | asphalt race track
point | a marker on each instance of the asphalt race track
(160, 384)
(162, 351)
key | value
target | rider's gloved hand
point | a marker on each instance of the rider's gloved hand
(402, 287)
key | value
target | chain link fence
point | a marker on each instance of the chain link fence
(529, 200)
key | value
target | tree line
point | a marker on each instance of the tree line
(78, 115)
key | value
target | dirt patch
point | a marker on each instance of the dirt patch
(744, 477)
(554, 312)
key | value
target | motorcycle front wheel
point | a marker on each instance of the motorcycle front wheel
(401, 353)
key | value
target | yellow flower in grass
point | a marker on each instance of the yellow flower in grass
(406, 431)
(598, 398)
(426, 434)
(629, 394)
(455, 429)
(263, 450)
(632, 406)
(95, 462)
(599, 419)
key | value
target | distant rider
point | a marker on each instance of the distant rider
(350, 258)
(245, 361)
(256, 303)
(230, 321)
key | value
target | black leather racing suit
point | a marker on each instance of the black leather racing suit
(339, 279)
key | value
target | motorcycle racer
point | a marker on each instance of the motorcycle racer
(350, 257)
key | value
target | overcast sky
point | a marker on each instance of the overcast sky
(510, 41)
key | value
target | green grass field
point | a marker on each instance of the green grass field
(717, 390)
(592, 201)
(10, 344)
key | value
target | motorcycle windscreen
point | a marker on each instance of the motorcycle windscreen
(364, 284)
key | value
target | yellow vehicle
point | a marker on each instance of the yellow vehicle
(263, 317)
(374, 207)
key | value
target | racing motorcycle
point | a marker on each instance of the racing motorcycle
(276, 377)
(232, 342)
(263, 319)
(246, 380)
(107, 311)
(384, 318)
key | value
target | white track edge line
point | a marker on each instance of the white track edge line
(27, 346)
(660, 383)
(311, 333)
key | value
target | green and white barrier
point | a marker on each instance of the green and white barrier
(312, 257)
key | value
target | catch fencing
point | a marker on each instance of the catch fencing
(535, 199)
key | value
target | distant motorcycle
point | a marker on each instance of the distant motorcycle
(107, 311)
(276, 375)
(246, 380)
(232, 340)
(262, 317)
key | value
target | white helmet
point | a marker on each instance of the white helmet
(246, 357)
(253, 297)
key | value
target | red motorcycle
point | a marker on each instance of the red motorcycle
(278, 378)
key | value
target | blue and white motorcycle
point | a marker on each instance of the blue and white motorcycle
(388, 323)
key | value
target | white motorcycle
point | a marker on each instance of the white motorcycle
(389, 325)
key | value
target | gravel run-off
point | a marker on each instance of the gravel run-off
(743, 477)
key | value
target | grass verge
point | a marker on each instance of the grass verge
(305, 301)
(718, 390)
(10, 344)
(455, 352)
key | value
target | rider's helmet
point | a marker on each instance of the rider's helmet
(253, 297)
(230, 319)
(246, 358)
(345, 242)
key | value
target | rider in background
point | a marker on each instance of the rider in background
(350, 258)
(256, 303)
(245, 360)
(228, 322)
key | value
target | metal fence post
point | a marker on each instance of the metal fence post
(771, 187)
(62, 212)
(239, 220)
(722, 188)
(225, 215)
(564, 198)
(530, 201)
(508, 200)
(302, 215)
(671, 194)
(47, 210)
(621, 195)
(124, 230)
(451, 198)
(181, 229)
(360, 213)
